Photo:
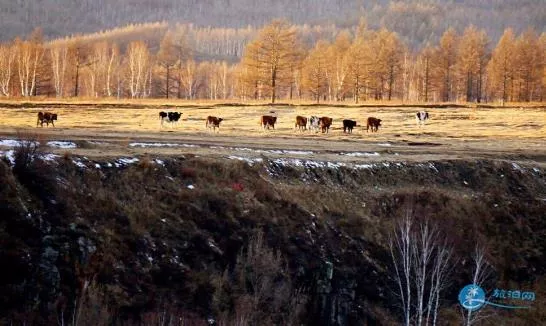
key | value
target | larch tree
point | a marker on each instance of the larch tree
(424, 62)
(167, 60)
(500, 68)
(7, 58)
(315, 71)
(357, 62)
(445, 60)
(272, 54)
(528, 66)
(470, 56)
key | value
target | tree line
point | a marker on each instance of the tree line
(280, 61)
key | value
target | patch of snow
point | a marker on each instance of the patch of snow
(466, 183)
(164, 220)
(126, 161)
(298, 152)
(10, 155)
(537, 170)
(161, 145)
(516, 167)
(363, 166)
(97, 165)
(384, 145)
(159, 162)
(358, 154)
(191, 187)
(14, 143)
(79, 164)
(433, 167)
(250, 161)
(61, 144)
(49, 157)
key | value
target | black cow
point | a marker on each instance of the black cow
(348, 125)
(46, 117)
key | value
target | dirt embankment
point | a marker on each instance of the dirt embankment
(123, 241)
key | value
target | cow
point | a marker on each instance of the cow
(213, 122)
(348, 125)
(422, 117)
(374, 123)
(301, 123)
(325, 123)
(46, 117)
(314, 123)
(171, 117)
(268, 121)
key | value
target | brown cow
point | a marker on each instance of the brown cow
(301, 123)
(46, 117)
(213, 122)
(268, 120)
(374, 123)
(325, 123)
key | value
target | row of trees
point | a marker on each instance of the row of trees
(281, 63)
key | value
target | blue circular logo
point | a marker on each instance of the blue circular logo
(472, 297)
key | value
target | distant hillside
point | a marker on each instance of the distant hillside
(417, 21)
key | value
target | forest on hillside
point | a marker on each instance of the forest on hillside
(279, 61)
(416, 21)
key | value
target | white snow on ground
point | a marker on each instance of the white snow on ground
(267, 151)
(384, 145)
(359, 154)
(161, 145)
(9, 142)
(250, 161)
(9, 155)
(12, 142)
(61, 144)
(191, 187)
(127, 160)
(49, 157)
(79, 163)
(159, 162)
(516, 167)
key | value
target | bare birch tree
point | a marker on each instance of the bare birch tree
(480, 273)
(138, 60)
(7, 57)
(59, 62)
(421, 261)
(28, 55)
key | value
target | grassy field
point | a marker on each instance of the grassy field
(453, 130)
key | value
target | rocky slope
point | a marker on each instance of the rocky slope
(269, 242)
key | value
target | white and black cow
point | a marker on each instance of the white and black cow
(421, 117)
(171, 117)
(314, 123)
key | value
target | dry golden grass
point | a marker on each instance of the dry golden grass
(499, 123)
(450, 132)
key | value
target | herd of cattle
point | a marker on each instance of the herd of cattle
(313, 123)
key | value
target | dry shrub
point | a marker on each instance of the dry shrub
(188, 173)
(145, 163)
(67, 156)
(25, 151)
(259, 290)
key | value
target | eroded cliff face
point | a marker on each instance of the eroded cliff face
(125, 242)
